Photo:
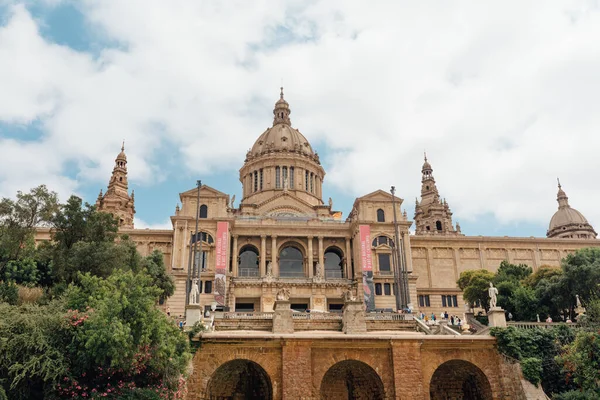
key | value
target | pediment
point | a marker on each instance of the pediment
(378, 195)
(285, 205)
(205, 191)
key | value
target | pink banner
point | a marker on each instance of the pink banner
(367, 266)
(222, 246)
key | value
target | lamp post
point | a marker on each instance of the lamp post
(399, 274)
(192, 255)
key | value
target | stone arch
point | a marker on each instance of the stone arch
(351, 379)
(459, 379)
(293, 269)
(248, 260)
(239, 379)
(334, 262)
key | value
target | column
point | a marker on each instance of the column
(234, 256)
(274, 255)
(321, 255)
(263, 255)
(310, 257)
(456, 263)
(348, 260)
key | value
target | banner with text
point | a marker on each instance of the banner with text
(367, 266)
(221, 247)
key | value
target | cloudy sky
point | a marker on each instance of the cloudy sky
(503, 96)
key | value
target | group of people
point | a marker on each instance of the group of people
(444, 316)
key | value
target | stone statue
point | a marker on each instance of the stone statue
(195, 293)
(269, 269)
(349, 295)
(330, 203)
(283, 294)
(493, 293)
(232, 201)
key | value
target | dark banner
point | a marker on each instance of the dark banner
(367, 267)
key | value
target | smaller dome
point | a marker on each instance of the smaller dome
(122, 156)
(567, 216)
(426, 165)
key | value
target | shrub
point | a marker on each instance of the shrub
(577, 395)
(9, 293)
(29, 295)
(532, 369)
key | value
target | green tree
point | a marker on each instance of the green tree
(581, 361)
(543, 273)
(154, 265)
(508, 281)
(18, 220)
(581, 276)
(475, 285)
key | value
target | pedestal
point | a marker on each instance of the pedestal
(353, 317)
(193, 314)
(496, 318)
(282, 317)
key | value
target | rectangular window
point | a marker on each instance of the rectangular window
(424, 300)
(255, 181)
(208, 287)
(277, 178)
(291, 177)
(454, 301)
(384, 262)
(261, 179)
(306, 180)
(312, 180)
(285, 175)
(387, 289)
(378, 289)
(444, 301)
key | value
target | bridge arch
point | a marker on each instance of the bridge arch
(239, 379)
(459, 379)
(351, 380)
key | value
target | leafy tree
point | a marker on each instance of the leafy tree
(508, 281)
(9, 292)
(154, 265)
(525, 303)
(581, 361)
(475, 285)
(33, 345)
(581, 276)
(545, 272)
(18, 219)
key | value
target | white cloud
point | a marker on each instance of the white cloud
(141, 224)
(503, 97)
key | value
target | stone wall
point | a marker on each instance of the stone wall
(330, 366)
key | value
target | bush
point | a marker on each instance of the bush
(3, 394)
(9, 293)
(532, 369)
(577, 395)
(29, 295)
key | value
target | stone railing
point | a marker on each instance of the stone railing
(389, 317)
(248, 272)
(541, 325)
(244, 315)
(317, 316)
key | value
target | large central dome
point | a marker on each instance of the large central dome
(282, 162)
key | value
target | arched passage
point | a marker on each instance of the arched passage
(240, 380)
(351, 380)
(458, 379)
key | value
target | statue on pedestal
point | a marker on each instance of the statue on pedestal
(493, 293)
(283, 294)
(319, 273)
(195, 293)
(349, 294)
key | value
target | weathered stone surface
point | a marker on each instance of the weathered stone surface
(282, 317)
(334, 366)
(496, 318)
(353, 320)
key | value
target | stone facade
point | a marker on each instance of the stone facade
(282, 234)
(332, 367)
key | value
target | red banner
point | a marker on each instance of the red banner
(367, 266)
(222, 246)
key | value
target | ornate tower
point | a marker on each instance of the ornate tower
(432, 215)
(117, 200)
(567, 222)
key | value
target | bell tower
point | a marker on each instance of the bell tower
(432, 214)
(117, 200)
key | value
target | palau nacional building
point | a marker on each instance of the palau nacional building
(282, 242)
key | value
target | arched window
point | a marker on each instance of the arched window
(438, 225)
(284, 173)
(306, 180)
(291, 263)
(291, 184)
(333, 263)
(256, 181)
(382, 240)
(380, 215)
(248, 261)
(203, 211)
(203, 236)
